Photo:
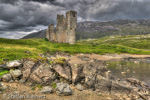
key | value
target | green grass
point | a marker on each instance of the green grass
(54, 85)
(3, 72)
(133, 41)
(16, 49)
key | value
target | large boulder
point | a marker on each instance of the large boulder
(77, 73)
(63, 89)
(102, 84)
(6, 77)
(16, 73)
(106, 85)
(43, 74)
(28, 66)
(13, 64)
(120, 88)
(96, 68)
(63, 69)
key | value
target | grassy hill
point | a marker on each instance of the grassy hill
(133, 41)
(16, 49)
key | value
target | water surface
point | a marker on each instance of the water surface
(127, 68)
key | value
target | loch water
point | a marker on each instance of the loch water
(130, 68)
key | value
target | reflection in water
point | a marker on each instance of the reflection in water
(127, 68)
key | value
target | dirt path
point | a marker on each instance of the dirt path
(76, 59)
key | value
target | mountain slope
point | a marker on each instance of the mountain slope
(89, 29)
(40, 34)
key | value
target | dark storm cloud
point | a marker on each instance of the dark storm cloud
(136, 9)
(27, 15)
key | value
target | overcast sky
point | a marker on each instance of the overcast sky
(21, 17)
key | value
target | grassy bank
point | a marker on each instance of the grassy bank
(16, 49)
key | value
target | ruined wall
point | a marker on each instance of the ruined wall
(52, 33)
(65, 29)
(48, 33)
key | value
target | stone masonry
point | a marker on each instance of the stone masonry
(65, 29)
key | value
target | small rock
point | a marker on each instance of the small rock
(46, 90)
(128, 98)
(6, 77)
(133, 81)
(30, 84)
(84, 58)
(63, 89)
(28, 52)
(123, 73)
(108, 98)
(16, 81)
(13, 64)
(2, 87)
(11, 81)
(16, 73)
(79, 87)
(5, 60)
(143, 96)
(22, 81)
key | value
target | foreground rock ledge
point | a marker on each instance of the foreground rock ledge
(59, 74)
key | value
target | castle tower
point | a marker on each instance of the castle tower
(71, 17)
(59, 28)
(65, 29)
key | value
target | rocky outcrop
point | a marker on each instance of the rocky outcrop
(94, 76)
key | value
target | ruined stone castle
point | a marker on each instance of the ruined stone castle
(65, 30)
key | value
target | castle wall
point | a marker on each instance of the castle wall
(65, 29)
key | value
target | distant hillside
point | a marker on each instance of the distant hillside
(89, 29)
(40, 34)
